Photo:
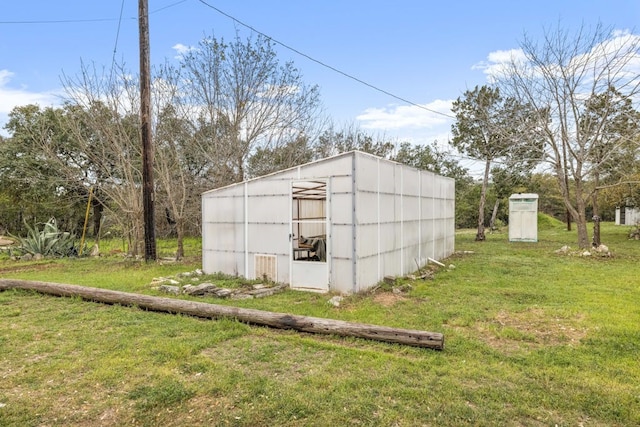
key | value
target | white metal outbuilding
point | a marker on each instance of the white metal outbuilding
(627, 215)
(339, 224)
(523, 217)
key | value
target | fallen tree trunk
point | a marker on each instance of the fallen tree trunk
(315, 325)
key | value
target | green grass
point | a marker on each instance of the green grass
(533, 338)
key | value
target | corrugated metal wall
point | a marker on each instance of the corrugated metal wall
(403, 217)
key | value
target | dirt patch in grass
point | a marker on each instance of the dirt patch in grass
(388, 299)
(531, 329)
(17, 267)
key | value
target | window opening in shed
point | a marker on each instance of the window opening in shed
(309, 220)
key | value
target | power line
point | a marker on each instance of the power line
(115, 47)
(166, 7)
(80, 21)
(309, 57)
(58, 21)
(325, 64)
(330, 67)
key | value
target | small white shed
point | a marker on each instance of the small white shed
(338, 224)
(523, 217)
(627, 215)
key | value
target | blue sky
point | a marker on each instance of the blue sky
(427, 52)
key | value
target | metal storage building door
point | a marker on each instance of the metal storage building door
(523, 218)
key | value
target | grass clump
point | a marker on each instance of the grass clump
(166, 393)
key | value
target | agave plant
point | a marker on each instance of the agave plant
(47, 242)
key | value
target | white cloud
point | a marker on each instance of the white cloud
(14, 97)
(411, 123)
(182, 50)
(5, 76)
(11, 97)
(621, 44)
(395, 117)
(506, 55)
(497, 62)
(439, 136)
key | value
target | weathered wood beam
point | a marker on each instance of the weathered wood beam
(316, 325)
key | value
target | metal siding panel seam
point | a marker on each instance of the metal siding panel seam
(378, 210)
(354, 252)
(246, 230)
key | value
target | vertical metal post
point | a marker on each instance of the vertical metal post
(246, 230)
(145, 134)
(354, 225)
(378, 207)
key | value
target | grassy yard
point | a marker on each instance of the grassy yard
(533, 338)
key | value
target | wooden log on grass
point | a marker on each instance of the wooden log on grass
(316, 325)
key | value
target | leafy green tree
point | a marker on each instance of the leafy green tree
(431, 158)
(333, 141)
(490, 127)
(467, 199)
(267, 160)
(550, 199)
(434, 159)
(33, 186)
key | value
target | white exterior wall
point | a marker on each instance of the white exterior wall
(382, 218)
(403, 217)
(242, 221)
(631, 216)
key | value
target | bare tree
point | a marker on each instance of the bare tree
(557, 77)
(102, 115)
(178, 189)
(244, 99)
(613, 150)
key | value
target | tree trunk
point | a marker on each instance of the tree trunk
(565, 174)
(180, 237)
(583, 234)
(98, 209)
(315, 325)
(494, 214)
(596, 210)
(596, 231)
(483, 196)
(577, 212)
(581, 219)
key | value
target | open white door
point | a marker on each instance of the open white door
(309, 257)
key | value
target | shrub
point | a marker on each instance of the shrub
(47, 242)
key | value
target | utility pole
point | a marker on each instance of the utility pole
(145, 133)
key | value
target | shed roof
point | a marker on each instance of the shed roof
(523, 196)
(326, 159)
